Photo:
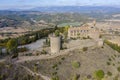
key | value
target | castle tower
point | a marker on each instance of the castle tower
(55, 44)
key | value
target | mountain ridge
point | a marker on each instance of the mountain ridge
(80, 9)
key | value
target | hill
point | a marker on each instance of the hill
(81, 9)
(83, 64)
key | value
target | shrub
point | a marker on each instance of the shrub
(102, 47)
(35, 68)
(55, 78)
(113, 64)
(22, 49)
(14, 55)
(110, 59)
(57, 33)
(118, 62)
(54, 73)
(37, 78)
(54, 66)
(100, 36)
(43, 52)
(28, 54)
(99, 75)
(63, 48)
(85, 48)
(37, 54)
(109, 73)
(85, 38)
(73, 38)
(63, 58)
(76, 77)
(25, 62)
(59, 63)
(118, 69)
(108, 63)
(89, 76)
(116, 77)
(115, 55)
(75, 64)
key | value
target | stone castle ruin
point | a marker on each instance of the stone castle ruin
(74, 32)
(85, 31)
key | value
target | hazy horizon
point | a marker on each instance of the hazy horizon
(27, 4)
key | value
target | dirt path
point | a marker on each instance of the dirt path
(34, 73)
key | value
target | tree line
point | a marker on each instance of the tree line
(113, 46)
(11, 44)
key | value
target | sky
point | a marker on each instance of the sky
(27, 4)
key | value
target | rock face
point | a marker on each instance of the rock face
(55, 44)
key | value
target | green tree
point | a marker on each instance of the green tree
(56, 27)
(66, 28)
(99, 75)
(57, 33)
(12, 46)
(66, 31)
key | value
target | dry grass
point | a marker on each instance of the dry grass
(90, 61)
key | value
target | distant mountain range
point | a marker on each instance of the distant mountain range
(81, 9)
(56, 14)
